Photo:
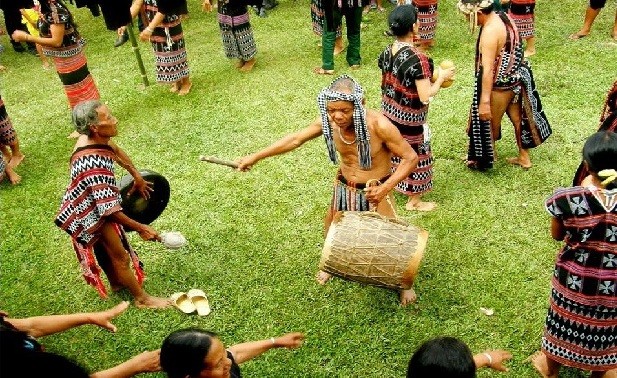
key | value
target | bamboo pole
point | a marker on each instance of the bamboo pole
(140, 62)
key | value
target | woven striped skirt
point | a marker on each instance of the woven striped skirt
(7, 132)
(421, 179)
(237, 35)
(318, 18)
(78, 84)
(522, 12)
(427, 19)
(170, 54)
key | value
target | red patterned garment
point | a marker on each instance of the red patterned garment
(581, 325)
(427, 19)
(522, 12)
(401, 65)
(91, 196)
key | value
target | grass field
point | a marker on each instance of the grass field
(255, 238)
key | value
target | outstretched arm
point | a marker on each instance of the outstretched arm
(142, 186)
(39, 326)
(287, 143)
(249, 350)
(493, 359)
(146, 362)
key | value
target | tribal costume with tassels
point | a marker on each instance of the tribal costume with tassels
(167, 41)
(91, 196)
(511, 73)
(69, 58)
(347, 196)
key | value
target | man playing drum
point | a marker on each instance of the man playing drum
(90, 211)
(365, 141)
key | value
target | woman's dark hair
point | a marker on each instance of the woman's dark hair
(442, 357)
(183, 352)
(402, 18)
(600, 152)
(40, 364)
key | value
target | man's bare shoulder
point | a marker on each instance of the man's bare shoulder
(379, 124)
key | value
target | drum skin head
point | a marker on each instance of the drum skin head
(138, 208)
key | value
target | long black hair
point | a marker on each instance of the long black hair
(183, 352)
(600, 153)
(442, 357)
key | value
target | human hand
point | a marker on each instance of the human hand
(206, 6)
(246, 163)
(484, 111)
(145, 34)
(103, 318)
(375, 194)
(148, 233)
(121, 30)
(448, 73)
(142, 186)
(289, 340)
(147, 362)
(498, 357)
(19, 36)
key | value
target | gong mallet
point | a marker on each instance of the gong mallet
(215, 160)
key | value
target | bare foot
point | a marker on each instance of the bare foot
(321, 71)
(13, 177)
(529, 53)
(408, 296)
(174, 87)
(420, 206)
(73, 135)
(381, 9)
(152, 302)
(46, 66)
(323, 277)
(185, 88)
(248, 65)
(540, 363)
(355, 67)
(16, 159)
(578, 35)
(524, 163)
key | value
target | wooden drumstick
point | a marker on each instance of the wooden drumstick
(215, 160)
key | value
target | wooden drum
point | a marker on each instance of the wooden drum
(369, 248)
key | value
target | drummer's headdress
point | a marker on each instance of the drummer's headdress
(345, 88)
(471, 8)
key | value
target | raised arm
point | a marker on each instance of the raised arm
(249, 350)
(39, 326)
(146, 362)
(287, 143)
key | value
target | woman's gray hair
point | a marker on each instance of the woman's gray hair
(85, 115)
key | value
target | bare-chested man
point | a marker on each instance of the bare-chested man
(504, 84)
(365, 141)
(91, 213)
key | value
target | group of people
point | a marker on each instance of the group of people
(391, 146)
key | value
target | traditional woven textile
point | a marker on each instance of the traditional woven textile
(581, 325)
(427, 19)
(69, 58)
(522, 12)
(91, 196)
(349, 196)
(7, 132)
(318, 18)
(168, 45)
(236, 31)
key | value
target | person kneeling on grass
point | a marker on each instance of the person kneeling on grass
(90, 210)
(196, 353)
(450, 357)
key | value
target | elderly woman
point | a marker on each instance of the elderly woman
(196, 353)
(61, 41)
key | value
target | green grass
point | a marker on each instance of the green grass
(255, 238)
